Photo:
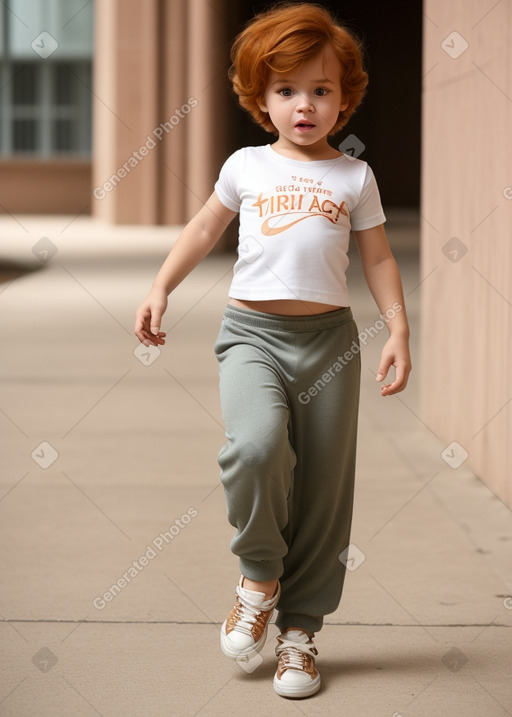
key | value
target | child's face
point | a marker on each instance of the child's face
(304, 106)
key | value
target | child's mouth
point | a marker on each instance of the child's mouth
(304, 126)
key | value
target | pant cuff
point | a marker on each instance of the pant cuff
(261, 570)
(309, 623)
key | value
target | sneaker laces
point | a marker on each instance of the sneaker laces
(293, 654)
(246, 612)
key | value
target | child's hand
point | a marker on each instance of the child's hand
(148, 318)
(395, 353)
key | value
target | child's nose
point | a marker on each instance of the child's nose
(304, 103)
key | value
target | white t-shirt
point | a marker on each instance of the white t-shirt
(295, 222)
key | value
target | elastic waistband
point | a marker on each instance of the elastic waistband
(278, 322)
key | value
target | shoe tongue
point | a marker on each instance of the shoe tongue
(253, 597)
(297, 636)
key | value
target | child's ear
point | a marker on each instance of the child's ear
(343, 105)
(263, 107)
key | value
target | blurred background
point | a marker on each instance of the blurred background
(139, 66)
(122, 112)
(115, 118)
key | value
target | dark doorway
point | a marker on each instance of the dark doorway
(388, 121)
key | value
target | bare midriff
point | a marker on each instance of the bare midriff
(285, 307)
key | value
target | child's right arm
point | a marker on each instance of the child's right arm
(195, 241)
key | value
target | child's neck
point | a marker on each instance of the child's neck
(308, 153)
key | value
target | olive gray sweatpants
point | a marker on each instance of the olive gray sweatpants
(289, 388)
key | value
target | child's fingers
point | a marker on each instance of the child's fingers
(154, 339)
(155, 321)
(400, 382)
(148, 319)
(148, 334)
(384, 366)
(139, 330)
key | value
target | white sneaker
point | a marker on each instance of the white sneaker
(244, 631)
(296, 674)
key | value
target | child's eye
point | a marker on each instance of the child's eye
(285, 92)
(321, 91)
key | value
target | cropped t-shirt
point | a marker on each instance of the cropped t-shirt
(295, 222)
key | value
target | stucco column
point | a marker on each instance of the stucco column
(125, 111)
(466, 210)
(175, 109)
(206, 78)
(160, 108)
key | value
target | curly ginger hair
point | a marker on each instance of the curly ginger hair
(281, 40)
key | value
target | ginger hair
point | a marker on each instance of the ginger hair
(281, 40)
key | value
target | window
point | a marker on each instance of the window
(45, 77)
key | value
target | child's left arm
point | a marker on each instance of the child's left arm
(383, 279)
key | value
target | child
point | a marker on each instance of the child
(287, 349)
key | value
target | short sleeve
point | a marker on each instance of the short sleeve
(368, 213)
(226, 187)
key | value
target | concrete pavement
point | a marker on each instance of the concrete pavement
(109, 476)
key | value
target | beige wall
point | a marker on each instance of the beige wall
(467, 194)
(158, 63)
(36, 186)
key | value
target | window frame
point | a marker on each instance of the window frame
(46, 112)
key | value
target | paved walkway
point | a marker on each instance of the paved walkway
(109, 475)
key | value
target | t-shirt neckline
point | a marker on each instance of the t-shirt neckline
(299, 162)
